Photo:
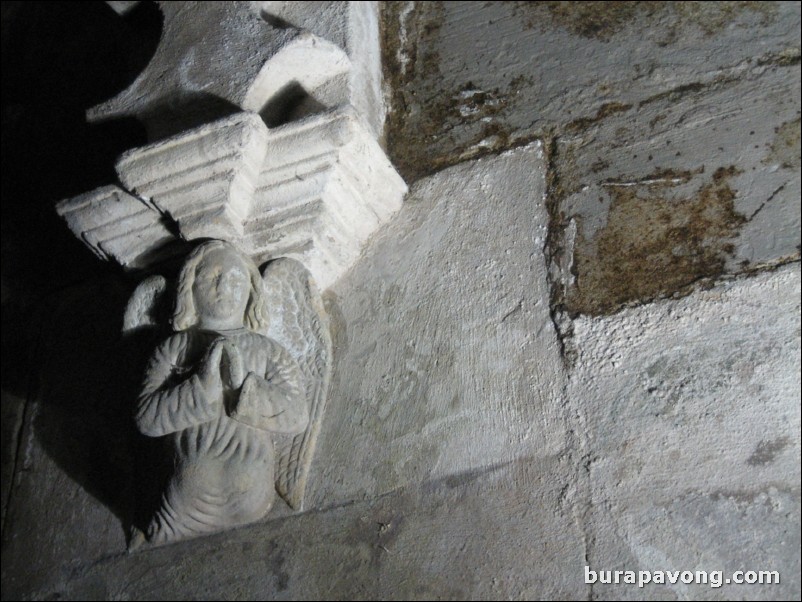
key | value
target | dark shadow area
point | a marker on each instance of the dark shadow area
(59, 59)
(89, 377)
(190, 110)
(290, 103)
(275, 20)
(61, 345)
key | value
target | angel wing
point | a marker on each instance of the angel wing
(298, 321)
(147, 307)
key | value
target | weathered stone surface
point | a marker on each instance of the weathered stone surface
(691, 421)
(471, 78)
(354, 27)
(324, 187)
(663, 452)
(313, 190)
(674, 446)
(680, 187)
(284, 60)
(203, 179)
(435, 410)
(118, 226)
(218, 57)
(474, 535)
(238, 410)
(673, 129)
(472, 378)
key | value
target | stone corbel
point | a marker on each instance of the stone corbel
(297, 190)
(313, 190)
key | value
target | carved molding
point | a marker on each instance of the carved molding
(313, 190)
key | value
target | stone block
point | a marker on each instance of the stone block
(117, 226)
(685, 186)
(446, 359)
(203, 179)
(691, 416)
(218, 57)
(468, 79)
(478, 535)
(314, 190)
(325, 186)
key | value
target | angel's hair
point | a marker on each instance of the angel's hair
(186, 316)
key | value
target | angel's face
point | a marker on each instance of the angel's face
(221, 290)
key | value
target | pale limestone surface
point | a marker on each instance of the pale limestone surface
(488, 436)
(473, 377)
(354, 27)
(281, 59)
(203, 179)
(690, 420)
(313, 190)
(324, 188)
(411, 544)
(635, 459)
(665, 437)
(186, 82)
(222, 394)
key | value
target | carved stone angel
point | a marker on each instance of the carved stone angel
(223, 388)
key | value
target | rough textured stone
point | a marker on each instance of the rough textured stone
(354, 27)
(663, 450)
(472, 378)
(283, 60)
(691, 421)
(644, 105)
(118, 226)
(680, 187)
(666, 436)
(436, 410)
(324, 188)
(203, 179)
(218, 57)
(470, 78)
(454, 539)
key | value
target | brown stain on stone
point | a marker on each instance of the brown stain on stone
(421, 125)
(603, 20)
(604, 111)
(654, 246)
(414, 125)
(714, 17)
(785, 58)
(405, 136)
(785, 148)
(599, 20)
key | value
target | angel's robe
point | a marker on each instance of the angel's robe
(224, 458)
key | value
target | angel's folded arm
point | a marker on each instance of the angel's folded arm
(170, 402)
(276, 400)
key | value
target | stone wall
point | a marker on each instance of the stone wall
(577, 343)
